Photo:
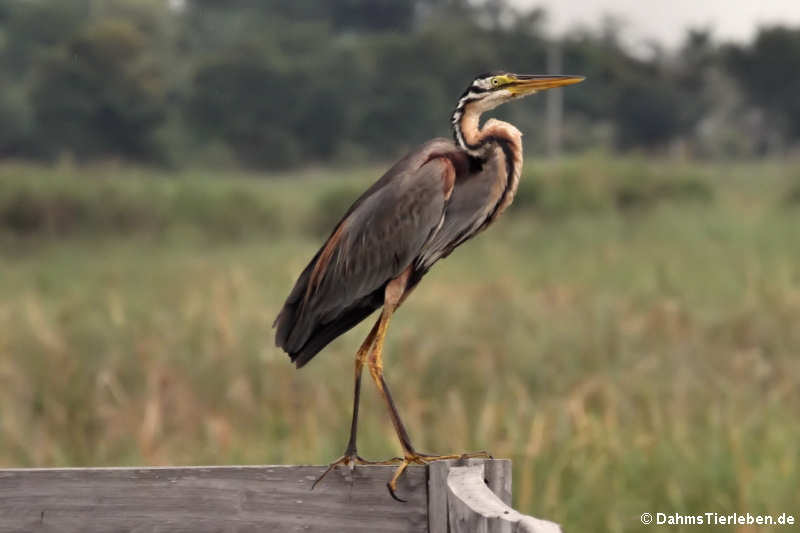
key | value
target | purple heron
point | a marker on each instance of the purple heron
(431, 201)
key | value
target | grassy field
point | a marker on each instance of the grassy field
(628, 334)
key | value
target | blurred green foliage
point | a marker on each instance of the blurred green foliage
(766, 71)
(35, 202)
(100, 94)
(637, 316)
(792, 195)
(117, 203)
(279, 84)
(578, 186)
(628, 355)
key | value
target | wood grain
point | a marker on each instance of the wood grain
(216, 499)
(444, 497)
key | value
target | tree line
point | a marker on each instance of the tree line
(273, 84)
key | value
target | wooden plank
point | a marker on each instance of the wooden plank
(473, 508)
(497, 474)
(211, 499)
(451, 497)
(437, 496)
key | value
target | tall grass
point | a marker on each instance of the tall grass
(629, 356)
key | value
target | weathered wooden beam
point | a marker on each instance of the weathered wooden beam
(248, 498)
(215, 499)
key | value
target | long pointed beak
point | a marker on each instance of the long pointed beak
(528, 83)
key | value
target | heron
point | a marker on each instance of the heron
(434, 199)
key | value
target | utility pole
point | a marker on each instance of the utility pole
(555, 102)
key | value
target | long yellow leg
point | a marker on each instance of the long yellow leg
(410, 456)
(375, 363)
(350, 456)
(361, 358)
(395, 292)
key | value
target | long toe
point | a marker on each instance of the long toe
(414, 458)
(392, 485)
(424, 458)
(345, 460)
(350, 460)
(387, 462)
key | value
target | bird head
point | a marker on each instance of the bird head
(488, 91)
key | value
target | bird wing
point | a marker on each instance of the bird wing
(378, 238)
(472, 203)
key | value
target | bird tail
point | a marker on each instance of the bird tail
(323, 334)
(303, 335)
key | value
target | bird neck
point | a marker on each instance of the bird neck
(477, 141)
(480, 142)
(467, 133)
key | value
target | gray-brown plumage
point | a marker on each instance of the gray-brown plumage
(344, 282)
(431, 201)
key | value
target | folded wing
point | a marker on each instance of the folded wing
(379, 237)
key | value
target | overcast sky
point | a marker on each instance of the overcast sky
(666, 20)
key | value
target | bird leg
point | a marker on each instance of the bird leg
(375, 363)
(361, 356)
(410, 456)
(350, 456)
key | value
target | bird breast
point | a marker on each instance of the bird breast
(476, 200)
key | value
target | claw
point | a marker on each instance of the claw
(325, 473)
(392, 485)
(394, 494)
(423, 459)
(345, 460)
(350, 461)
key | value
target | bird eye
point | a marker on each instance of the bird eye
(495, 82)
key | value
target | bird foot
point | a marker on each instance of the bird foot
(350, 460)
(415, 458)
